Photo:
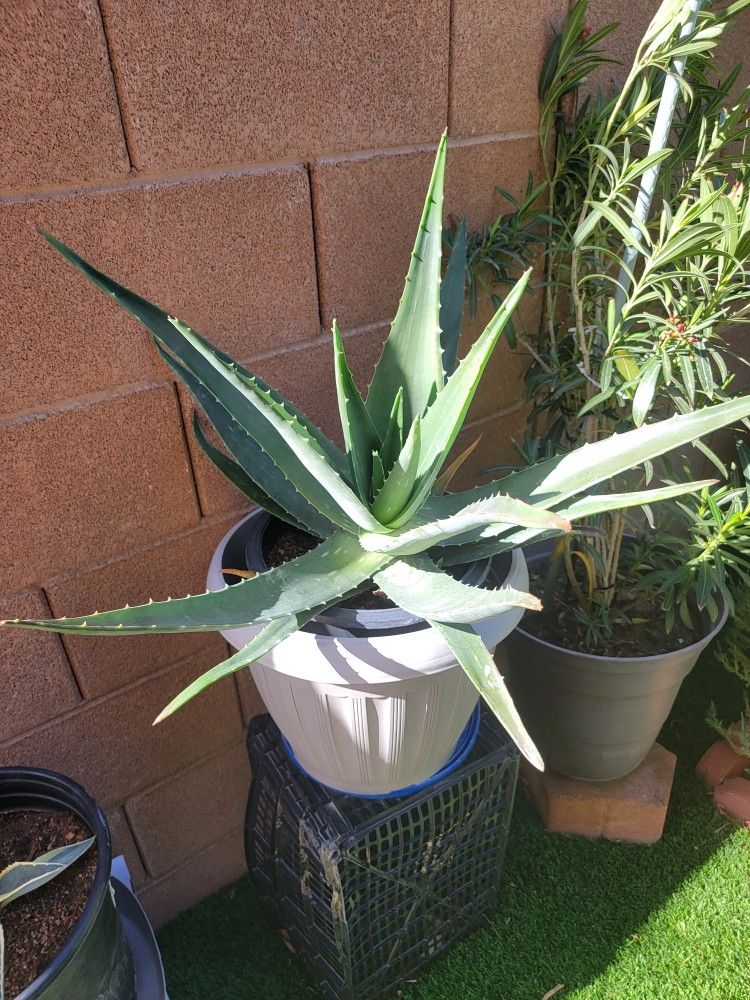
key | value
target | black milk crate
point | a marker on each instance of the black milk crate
(371, 890)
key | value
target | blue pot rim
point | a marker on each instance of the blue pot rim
(463, 748)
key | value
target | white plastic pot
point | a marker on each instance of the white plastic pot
(374, 714)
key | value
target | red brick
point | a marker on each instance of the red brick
(367, 209)
(497, 50)
(238, 82)
(171, 569)
(720, 762)
(305, 376)
(189, 811)
(631, 809)
(123, 843)
(221, 253)
(733, 799)
(35, 677)
(206, 873)
(95, 480)
(110, 746)
(57, 97)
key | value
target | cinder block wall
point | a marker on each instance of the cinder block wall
(256, 169)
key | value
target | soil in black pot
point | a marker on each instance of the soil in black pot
(636, 624)
(38, 924)
(290, 542)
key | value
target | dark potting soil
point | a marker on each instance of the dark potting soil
(637, 625)
(38, 924)
(291, 542)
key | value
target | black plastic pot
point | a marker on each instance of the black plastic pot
(94, 963)
(594, 717)
(248, 548)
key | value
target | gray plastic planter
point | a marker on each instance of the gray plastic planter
(594, 717)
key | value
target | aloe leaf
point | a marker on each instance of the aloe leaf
(393, 441)
(322, 576)
(418, 586)
(412, 355)
(360, 436)
(277, 432)
(399, 482)
(443, 420)
(273, 633)
(24, 876)
(239, 478)
(493, 514)
(452, 300)
(588, 506)
(253, 405)
(483, 673)
(334, 454)
(555, 480)
(254, 463)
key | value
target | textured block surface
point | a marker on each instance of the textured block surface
(221, 253)
(35, 678)
(57, 97)
(185, 814)
(632, 808)
(223, 862)
(171, 569)
(110, 746)
(96, 480)
(498, 33)
(123, 843)
(245, 81)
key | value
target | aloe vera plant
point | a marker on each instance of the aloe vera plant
(379, 506)
(24, 876)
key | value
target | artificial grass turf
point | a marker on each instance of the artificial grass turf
(608, 921)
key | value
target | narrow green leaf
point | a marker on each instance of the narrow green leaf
(360, 436)
(254, 406)
(444, 418)
(411, 355)
(394, 438)
(270, 636)
(483, 673)
(239, 478)
(492, 514)
(588, 506)
(399, 482)
(452, 300)
(23, 877)
(644, 394)
(325, 574)
(418, 586)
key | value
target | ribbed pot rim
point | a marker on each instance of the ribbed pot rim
(614, 661)
(36, 787)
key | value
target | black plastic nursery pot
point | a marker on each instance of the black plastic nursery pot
(95, 962)
(594, 717)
